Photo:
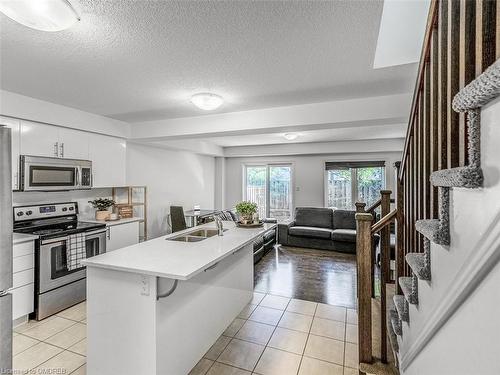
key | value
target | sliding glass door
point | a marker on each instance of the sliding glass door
(270, 186)
(349, 182)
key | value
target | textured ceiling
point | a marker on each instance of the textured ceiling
(141, 60)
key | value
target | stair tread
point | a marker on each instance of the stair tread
(395, 322)
(466, 177)
(392, 335)
(431, 229)
(406, 287)
(399, 304)
(416, 261)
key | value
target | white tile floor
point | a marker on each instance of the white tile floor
(54, 345)
(275, 335)
(272, 336)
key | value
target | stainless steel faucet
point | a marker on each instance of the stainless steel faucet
(220, 226)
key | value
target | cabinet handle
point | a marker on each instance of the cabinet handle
(56, 149)
(108, 233)
(61, 149)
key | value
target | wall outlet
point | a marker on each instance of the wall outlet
(145, 285)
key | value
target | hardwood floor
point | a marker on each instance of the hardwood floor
(308, 274)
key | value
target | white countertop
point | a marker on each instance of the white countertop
(110, 223)
(178, 260)
(22, 237)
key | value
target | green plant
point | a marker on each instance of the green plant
(102, 204)
(246, 208)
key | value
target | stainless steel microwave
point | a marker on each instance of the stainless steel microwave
(51, 174)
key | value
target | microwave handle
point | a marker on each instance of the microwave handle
(77, 176)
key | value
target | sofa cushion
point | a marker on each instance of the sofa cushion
(312, 232)
(313, 217)
(344, 219)
(345, 235)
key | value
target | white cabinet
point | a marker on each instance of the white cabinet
(15, 126)
(23, 287)
(73, 144)
(39, 139)
(108, 155)
(122, 235)
(53, 141)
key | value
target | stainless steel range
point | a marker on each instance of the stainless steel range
(57, 285)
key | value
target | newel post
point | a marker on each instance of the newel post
(364, 262)
(360, 207)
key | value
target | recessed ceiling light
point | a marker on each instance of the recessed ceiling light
(290, 136)
(207, 101)
(45, 15)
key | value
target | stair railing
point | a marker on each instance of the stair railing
(365, 229)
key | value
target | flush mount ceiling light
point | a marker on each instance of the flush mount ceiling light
(44, 15)
(207, 101)
(290, 136)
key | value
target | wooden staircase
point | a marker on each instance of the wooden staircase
(457, 76)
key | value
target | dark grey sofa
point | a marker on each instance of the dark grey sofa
(320, 228)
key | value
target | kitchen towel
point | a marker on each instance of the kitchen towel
(76, 250)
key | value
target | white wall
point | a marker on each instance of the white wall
(309, 171)
(172, 178)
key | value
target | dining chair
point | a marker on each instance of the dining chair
(177, 218)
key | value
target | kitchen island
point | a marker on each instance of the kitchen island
(158, 306)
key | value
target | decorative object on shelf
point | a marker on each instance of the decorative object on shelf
(125, 211)
(102, 205)
(246, 210)
(113, 217)
(131, 201)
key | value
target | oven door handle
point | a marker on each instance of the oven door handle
(52, 240)
(95, 233)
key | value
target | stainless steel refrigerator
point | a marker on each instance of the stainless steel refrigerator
(5, 251)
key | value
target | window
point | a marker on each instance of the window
(349, 182)
(270, 186)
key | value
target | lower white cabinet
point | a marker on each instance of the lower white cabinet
(122, 235)
(23, 287)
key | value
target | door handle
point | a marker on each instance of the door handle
(61, 149)
(56, 149)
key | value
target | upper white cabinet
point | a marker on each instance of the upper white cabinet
(15, 127)
(53, 141)
(108, 155)
(73, 144)
(39, 139)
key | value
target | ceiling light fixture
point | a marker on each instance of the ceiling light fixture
(44, 15)
(207, 101)
(290, 136)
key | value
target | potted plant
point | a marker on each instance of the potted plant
(246, 210)
(102, 205)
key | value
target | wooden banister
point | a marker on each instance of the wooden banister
(385, 221)
(374, 206)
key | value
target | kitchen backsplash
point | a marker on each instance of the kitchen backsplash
(80, 196)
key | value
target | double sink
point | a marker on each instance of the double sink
(195, 236)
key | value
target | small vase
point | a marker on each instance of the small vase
(101, 215)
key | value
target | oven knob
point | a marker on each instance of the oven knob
(20, 213)
(29, 212)
(65, 209)
(71, 208)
